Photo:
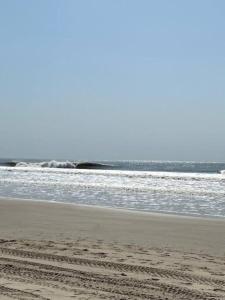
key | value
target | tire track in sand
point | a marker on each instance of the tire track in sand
(20, 267)
(18, 294)
(121, 267)
(129, 287)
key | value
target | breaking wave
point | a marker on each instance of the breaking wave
(59, 164)
(48, 164)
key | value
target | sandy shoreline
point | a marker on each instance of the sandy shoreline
(43, 220)
(57, 251)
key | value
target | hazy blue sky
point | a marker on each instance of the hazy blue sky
(112, 79)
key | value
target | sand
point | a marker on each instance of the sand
(57, 251)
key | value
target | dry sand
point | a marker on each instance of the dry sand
(56, 251)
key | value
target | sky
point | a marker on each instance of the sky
(112, 79)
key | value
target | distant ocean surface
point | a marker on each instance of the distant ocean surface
(185, 188)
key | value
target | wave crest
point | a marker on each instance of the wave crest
(48, 164)
(60, 164)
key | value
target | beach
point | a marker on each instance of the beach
(62, 251)
(112, 165)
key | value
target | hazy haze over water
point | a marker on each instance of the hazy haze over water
(112, 79)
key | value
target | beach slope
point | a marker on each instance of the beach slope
(56, 251)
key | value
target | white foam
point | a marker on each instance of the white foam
(48, 164)
(193, 193)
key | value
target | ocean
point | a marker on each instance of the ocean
(183, 188)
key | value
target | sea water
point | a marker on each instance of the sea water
(186, 188)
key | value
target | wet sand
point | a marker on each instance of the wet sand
(57, 251)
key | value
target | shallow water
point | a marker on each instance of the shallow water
(186, 193)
